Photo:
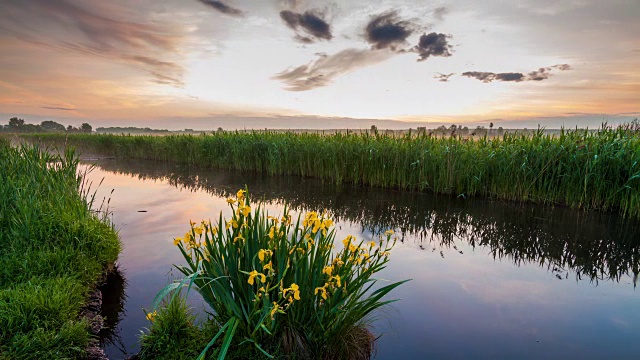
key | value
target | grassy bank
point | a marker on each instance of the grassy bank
(52, 251)
(584, 169)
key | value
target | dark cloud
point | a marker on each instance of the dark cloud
(222, 7)
(388, 31)
(443, 77)
(324, 70)
(97, 29)
(310, 22)
(540, 74)
(487, 77)
(58, 108)
(510, 76)
(440, 12)
(433, 44)
(536, 75)
(562, 67)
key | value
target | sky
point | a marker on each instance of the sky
(206, 64)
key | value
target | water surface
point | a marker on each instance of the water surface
(490, 279)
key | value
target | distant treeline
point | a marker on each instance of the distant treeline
(17, 125)
(129, 130)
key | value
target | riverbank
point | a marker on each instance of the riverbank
(578, 168)
(53, 250)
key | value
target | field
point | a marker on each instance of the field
(53, 250)
(577, 168)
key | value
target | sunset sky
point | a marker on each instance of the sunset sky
(320, 64)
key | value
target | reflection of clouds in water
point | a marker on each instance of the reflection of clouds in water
(594, 246)
(460, 254)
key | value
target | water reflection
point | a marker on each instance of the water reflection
(113, 304)
(593, 246)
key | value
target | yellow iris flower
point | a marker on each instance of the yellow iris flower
(274, 309)
(389, 232)
(252, 276)
(177, 241)
(264, 253)
(231, 201)
(245, 210)
(295, 289)
(152, 316)
(323, 292)
(240, 194)
(328, 270)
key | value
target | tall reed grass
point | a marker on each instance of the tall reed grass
(577, 168)
(53, 249)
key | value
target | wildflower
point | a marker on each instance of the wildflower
(264, 253)
(252, 276)
(327, 270)
(273, 218)
(272, 232)
(239, 237)
(276, 308)
(231, 201)
(337, 279)
(268, 266)
(347, 240)
(177, 241)
(245, 210)
(152, 316)
(389, 232)
(188, 237)
(295, 289)
(240, 194)
(322, 290)
(286, 219)
(372, 244)
(198, 230)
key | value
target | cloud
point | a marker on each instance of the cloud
(440, 12)
(432, 44)
(58, 108)
(542, 73)
(98, 29)
(324, 70)
(443, 77)
(310, 22)
(388, 31)
(222, 7)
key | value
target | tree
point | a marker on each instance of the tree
(15, 123)
(49, 125)
(86, 128)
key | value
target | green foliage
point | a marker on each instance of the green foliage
(279, 287)
(173, 334)
(579, 168)
(52, 250)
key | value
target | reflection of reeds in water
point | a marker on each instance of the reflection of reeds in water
(595, 245)
(113, 301)
(584, 169)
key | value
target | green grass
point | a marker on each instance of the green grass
(579, 168)
(52, 251)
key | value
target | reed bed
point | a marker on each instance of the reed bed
(577, 168)
(53, 249)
